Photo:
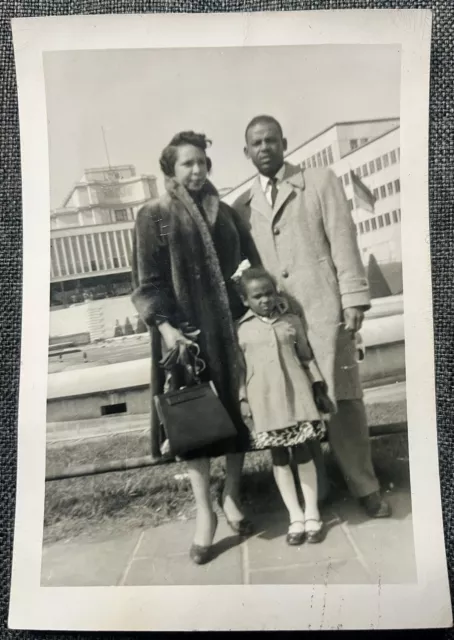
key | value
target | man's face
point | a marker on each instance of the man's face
(265, 147)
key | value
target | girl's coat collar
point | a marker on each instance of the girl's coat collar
(282, 309)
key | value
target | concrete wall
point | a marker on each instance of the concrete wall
(78, 318)
(91, 406)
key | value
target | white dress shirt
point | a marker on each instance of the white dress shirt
(266, 185)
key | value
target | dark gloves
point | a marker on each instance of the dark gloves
(322, 401)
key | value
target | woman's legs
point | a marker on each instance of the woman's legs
(231, 494)
(199, 475)
(286, 484)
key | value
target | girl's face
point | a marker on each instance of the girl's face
(261, 296)
(191, 167)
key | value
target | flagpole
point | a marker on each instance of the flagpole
(355, 208)
(105, 147)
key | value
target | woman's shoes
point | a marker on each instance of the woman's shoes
(243, 527)
(314, 536)
(295, 538)
(202, 554)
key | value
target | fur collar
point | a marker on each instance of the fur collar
(209, 198)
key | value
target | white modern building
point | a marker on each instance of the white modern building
(371, 149)
(91, 234)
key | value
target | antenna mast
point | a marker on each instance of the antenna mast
(105, 147)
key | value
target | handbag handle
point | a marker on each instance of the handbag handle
(187, 355)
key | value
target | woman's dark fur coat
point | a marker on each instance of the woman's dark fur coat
(182, 265)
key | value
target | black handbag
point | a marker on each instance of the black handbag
(192, 416)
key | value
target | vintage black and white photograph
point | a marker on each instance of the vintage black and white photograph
(227, 374)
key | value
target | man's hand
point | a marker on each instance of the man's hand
(353, 319)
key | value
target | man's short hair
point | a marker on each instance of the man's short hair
(262, 119)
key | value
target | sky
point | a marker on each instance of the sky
(143, 97)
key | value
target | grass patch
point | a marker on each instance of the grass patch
(118, 502)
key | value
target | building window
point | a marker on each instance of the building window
(371, 167)
(106, 249)
(393, 156)
(353, 144)
(399, 214)
(84, 254)
(367, 225)
(364, 170)
(314, 161)
(361, 228)
(380, 222)
(385, 160)
(319, 159)
(387, 219)
(397, 185)
(346, 179)
(121, 215)
(364, 140)
(350, 204)
(60, 256)
(373, 224)
(390, 189)
(76, 253)
(303, 164)
(378, 164)
(398, 153)
(395, 216)
(325, 158)
(91, 253)
(376, 194)
(330, 155)
(383, 191)
(98, 251)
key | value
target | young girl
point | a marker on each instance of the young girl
(282, 397)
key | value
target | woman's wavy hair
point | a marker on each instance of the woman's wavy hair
(169, 154)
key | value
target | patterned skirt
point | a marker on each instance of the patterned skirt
(288, 437)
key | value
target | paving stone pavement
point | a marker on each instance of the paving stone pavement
(356, 550)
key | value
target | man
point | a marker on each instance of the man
(304, 232)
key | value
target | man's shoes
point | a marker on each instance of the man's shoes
(375, 506)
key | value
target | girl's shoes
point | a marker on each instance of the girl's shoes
(295, 538)
(202, 554)
(314, 536)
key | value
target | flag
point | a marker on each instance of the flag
(363, 198)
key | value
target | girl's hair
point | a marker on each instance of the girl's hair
(169, 154)
(254, 273)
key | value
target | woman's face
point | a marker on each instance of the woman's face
(191, 167)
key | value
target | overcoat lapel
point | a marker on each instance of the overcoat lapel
(258, 200)
(293, 181)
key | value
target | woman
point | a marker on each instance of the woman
(187, 245)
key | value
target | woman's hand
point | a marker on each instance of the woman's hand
(246, 413)
(172, 337)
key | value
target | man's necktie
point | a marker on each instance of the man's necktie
(274, 190)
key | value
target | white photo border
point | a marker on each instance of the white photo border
(424, 604)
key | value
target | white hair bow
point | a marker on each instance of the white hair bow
(244, 266)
